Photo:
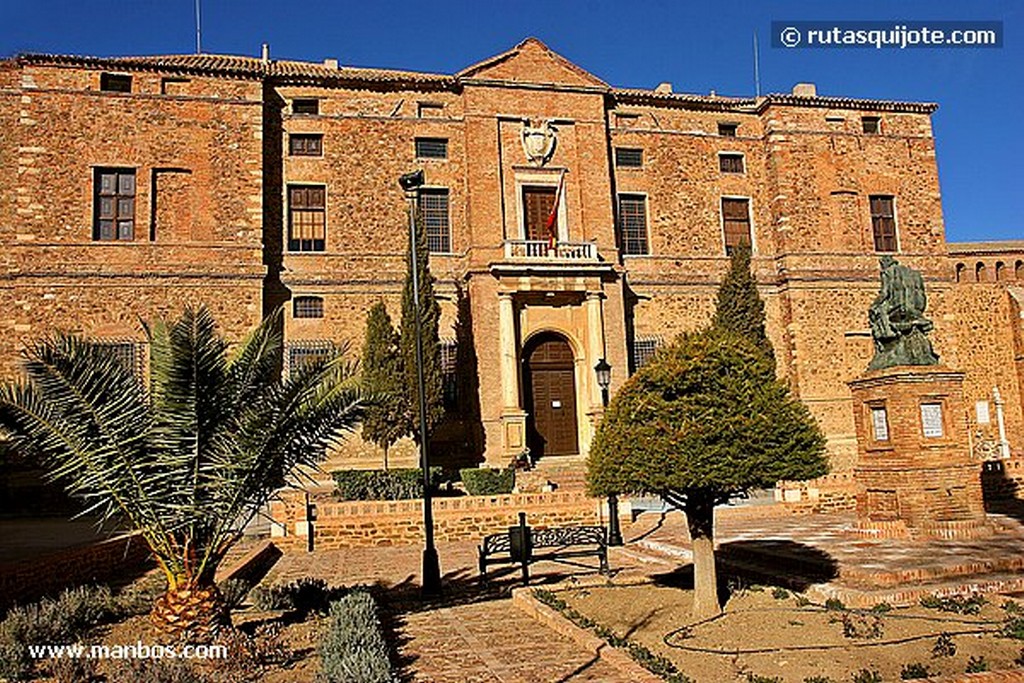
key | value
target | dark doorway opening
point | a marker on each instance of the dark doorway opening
(549, 383)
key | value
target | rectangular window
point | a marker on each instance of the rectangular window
(883, 222)
(116, 82)
(173, 86)
(449, 374)
(307, 218)
(730, 163)
(643, 350)
(633, 224)
(306, 106)
(434, 214)
(130, 354)
(300, 354)
(626, 157)
(306, 144)
(429, 110)
(931, 420)
(114, 204)
(735, 223)
(872, 125)
(879, 423)
(728, 130)
(308, 307)
(431, 148)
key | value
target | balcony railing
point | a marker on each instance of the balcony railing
(542, 250)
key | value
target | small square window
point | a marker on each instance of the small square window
(116, 82)
(308, 307)
(730, 163)
(306, 106)
(626, 157)
(306, 145)
(872, 125)
(728, 130)
(431, 148)
(173, 86)
(429, 110)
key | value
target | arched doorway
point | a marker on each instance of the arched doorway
(549, 387)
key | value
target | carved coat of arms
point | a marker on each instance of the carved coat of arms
(539, 142)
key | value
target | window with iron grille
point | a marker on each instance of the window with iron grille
(643, 349)
(306, 106)
(429, 110)
(130, 354)
(730, 163)
(114, 204)
(872, 125)
(433, 204)
(728, 130)
(306, 144)
(628, 157)
(735, 223)
(449, 373)
(116, 82)
(308, 307)
(302, 353)
(307, 218)
(431, 148)
(883, 222)
(633, 224)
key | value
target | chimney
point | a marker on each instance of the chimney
(664, 87)
(805, 90)
(265, 53)
(331, 63)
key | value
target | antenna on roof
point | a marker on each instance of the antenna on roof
(199, 32)
(757, 70)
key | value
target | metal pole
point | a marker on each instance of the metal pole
(431, 566)
(614, 531)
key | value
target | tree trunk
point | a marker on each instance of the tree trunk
(191, 613)
(700, 516)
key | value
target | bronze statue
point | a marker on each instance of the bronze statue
(898, 325)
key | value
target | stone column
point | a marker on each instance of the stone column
(594, 352)
(513, 418)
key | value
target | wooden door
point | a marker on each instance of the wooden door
(552, 398)
(537, 205)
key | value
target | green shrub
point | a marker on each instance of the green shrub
(881, 608)
(234, 591)
(976, 665)
(914, 671)
(398, 484)
(834, 605)
(753, 678)
(955, 603)
(819, 679)
(353, 650)
(866, 676)
(944, 646)
(304, 595)
(155, 671)
(487, 481)
(780, 593)
(1013, 627)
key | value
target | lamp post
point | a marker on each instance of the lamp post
(411, 183)
(604, 380)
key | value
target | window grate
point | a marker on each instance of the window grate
(643, 350)
(883, 222)
(730, 163)
(728, 130)
(302, 353)
(306, 145)
(306, 106)
(735, 223)
(449, 373)
(114, 204)
(307, 218)
(431, 148)
(433, 204)
(308, 307)
(633, 224)
(627, 157)
(131, 354)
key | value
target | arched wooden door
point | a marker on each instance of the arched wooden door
(550, 392)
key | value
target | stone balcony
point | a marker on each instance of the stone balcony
(542, 250)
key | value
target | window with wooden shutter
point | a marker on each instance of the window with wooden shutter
(735, 223)
(633, 224)
(730, 163)
(307, 218)
(306, 144)
(114, 204)
(883, 222)
(433, 204)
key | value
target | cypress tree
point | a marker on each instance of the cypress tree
(430, 317)
(740, 309)
(383, 380)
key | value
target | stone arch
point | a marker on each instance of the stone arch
(1001, 273)
(550, 394)
(980, 272)
(1018, 270)
(960, 271)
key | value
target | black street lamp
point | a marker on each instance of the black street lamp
(604, 380)
(411, 183)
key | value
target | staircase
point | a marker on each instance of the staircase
(561, 473)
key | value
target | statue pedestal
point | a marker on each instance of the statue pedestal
(914, 473)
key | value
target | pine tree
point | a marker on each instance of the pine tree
(430, 317)
(740, 308)
(383, 380)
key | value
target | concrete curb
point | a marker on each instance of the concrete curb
(524, 600)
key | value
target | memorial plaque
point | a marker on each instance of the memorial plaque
(931, 420)
(880, 424)
(981, 410)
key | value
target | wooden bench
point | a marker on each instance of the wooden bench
(523, 546)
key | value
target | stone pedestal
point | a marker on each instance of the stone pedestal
(914, 473)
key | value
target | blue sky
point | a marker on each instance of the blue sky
(698, 46)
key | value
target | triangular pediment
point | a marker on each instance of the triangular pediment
(531, 61)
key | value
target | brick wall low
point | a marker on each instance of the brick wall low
(118, 559)
(400, 522)
(1003, 479)
(829, 494)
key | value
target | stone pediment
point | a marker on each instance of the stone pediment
(531, 61)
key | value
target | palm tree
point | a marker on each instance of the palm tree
(190, 459)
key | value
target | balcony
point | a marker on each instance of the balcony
(543, 251)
